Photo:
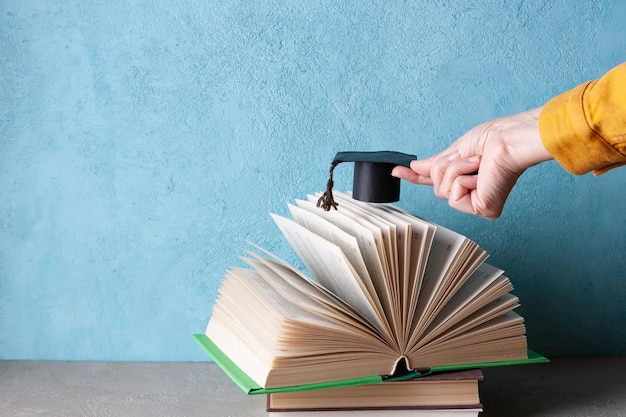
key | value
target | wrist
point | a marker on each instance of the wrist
(531, 145)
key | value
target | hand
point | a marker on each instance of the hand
(478, 171)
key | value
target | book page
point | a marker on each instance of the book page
(498, 307)
(329, 266)
(509, 324)
(394, 236)
(466, 263)
(244, 300)
(334, 234)
(445, 250)
(368, 212)
(485, 285)
(406, 257)
(499, 339)
(311, 296)
(372, 242)
(469, 261)
(258, 328)
(288, 304)
(422, 234)
(369, 239)
(306, 285)
(451, 260)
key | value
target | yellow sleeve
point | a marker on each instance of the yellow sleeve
(584, 129)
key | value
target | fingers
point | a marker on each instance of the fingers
(486, 201)
(453, 178)
(448, 169)
(461, 193)
(419, 173)
(439, 171)
(456, 179)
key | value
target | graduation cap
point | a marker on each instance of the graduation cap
(372, 177)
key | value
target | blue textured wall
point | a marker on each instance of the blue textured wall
(141, 145)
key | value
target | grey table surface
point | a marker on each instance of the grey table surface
(572, 387)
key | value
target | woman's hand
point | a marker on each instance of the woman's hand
(478, 171)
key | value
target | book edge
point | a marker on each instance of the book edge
(250, 387)
(391, 408)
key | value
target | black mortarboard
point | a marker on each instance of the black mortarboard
(372, 177)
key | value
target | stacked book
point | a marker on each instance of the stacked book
(446, 394)
(395, 312)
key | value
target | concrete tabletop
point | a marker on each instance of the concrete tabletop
(572, 387)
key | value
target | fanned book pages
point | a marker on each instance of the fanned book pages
(385, 292)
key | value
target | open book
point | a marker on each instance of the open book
(387, 292)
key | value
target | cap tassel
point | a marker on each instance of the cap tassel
(326, 201)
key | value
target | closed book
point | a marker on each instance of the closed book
(463, 412)
(446, 390)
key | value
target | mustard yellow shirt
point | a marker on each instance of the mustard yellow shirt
(584, 129)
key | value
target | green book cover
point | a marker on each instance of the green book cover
(250, 387)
